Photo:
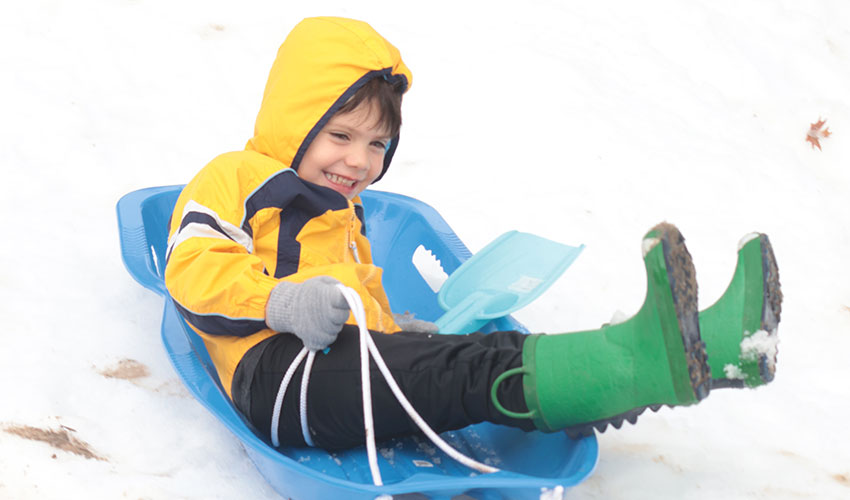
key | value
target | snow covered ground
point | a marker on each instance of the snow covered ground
(586, 122)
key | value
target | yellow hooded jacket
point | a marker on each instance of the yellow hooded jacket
(247, 221)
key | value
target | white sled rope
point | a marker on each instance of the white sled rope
(367, 345)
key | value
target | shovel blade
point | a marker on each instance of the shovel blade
(505, 276)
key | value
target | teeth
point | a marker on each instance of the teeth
(339, 180)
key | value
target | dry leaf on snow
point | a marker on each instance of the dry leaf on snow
(815, 134)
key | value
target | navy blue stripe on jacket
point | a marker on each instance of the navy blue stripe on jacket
(217, 324)
(299, 201)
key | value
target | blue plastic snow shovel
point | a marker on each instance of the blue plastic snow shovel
(505, 276)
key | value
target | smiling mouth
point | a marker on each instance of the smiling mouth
(342, 181)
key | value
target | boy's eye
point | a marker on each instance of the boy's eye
(339, 135)
(379, 144)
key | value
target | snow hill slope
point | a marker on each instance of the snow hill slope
(582, 122)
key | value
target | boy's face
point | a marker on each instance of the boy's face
(348, 154)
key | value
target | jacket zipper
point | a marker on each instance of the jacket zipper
(351, 243)
(353, 246)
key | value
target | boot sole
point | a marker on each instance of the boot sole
(770, 315)
(682, 277)
(772, 308)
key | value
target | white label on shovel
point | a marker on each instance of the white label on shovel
(422, 463)
(525, 284)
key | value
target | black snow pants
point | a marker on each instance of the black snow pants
(447, 379)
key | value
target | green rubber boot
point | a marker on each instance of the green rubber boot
(585, 380)
(740, 329)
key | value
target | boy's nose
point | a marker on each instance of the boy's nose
(357, 158)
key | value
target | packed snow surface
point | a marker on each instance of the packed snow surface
(583, 122)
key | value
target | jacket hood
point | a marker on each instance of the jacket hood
(319, 66)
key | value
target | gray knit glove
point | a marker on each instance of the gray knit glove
(408, 323)
(314, 311)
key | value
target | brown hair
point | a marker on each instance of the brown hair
(386, 96)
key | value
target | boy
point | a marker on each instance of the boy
(260, 239)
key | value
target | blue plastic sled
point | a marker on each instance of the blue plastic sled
(397, 225)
